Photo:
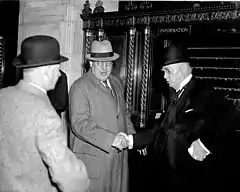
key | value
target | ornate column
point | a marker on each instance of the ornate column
(88, 40)
(145, 77)
(130, 69)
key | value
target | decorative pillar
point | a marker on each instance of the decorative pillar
(88, 41)
(130, 69)
(145, 77)
(100, 34)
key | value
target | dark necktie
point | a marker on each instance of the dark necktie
(179, 93)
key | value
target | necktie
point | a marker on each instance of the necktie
(108, 87)
(179, 93)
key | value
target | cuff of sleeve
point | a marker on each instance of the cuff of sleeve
(203, 146)
(130, 141)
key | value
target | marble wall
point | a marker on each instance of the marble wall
(60, 19)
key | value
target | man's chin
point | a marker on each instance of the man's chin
(104, 78)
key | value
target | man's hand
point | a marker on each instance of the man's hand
(130, 141)
(120, 142)
(143, 151)
(198, 153)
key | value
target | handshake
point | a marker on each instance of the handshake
(123, 141)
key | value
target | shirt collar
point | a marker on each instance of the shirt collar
(184, 82)
(38, 87)
(108, 83)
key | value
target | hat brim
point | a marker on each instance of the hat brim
(175, 62)
(19, 64)
(113, 58)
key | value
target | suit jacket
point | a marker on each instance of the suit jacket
(33, 145)
(96, 118)
(59, 95)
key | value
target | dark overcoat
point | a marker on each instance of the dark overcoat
(199, 113)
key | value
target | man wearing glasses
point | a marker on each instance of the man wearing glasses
(99, 119)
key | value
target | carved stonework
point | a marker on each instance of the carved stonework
(131, 6)
(194, 15)
(87, 11)
(99, 9)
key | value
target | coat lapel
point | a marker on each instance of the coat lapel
(184, 100)
(117, 96)
(178, 105)
(102, 88)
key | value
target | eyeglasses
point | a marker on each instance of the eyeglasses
(104, 63)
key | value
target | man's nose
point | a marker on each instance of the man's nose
(104, 66)
(165, 75)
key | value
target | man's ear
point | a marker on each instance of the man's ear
(45, 72)
(184, 68)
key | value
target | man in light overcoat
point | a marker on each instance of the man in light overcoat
(33, 148)
(98, 116)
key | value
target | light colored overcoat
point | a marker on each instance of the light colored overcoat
(32, 139)
(96, 118)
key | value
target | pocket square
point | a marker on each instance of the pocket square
(158, 115)
(188, 110)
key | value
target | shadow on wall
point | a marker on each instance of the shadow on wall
(9, 15)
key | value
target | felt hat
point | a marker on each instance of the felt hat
(102, 51)
(175, 54)
(38, 51)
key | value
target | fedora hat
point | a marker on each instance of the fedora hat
(175, 54)
(38, 51)
(102, 51)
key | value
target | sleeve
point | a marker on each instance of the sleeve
(143, 138)
(130, 127)
(68, 172)
(204, 147)
(81, 123)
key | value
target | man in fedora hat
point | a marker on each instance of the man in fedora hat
(194, 137)
(97, 116)
(33, 147)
